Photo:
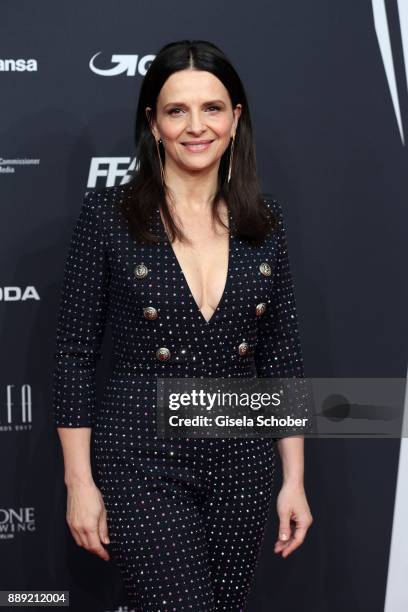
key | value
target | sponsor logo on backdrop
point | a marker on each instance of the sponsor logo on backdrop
(129, 65)
(14, 521)
(109, 171)
(16, 410)
(18, 65)
(18, 294)
(387, 47)
(7, 164)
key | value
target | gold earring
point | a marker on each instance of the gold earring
(160, 161)
(230, 159)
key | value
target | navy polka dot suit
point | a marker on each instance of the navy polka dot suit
(186, 517)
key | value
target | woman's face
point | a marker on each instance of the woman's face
(193, 106)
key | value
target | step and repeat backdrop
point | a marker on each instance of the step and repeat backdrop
(327, 85)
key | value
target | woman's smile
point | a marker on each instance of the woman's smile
(197, 146)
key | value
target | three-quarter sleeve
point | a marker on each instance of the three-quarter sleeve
(278, 353)
(81, 320)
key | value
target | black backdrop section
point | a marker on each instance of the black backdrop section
(328, 146)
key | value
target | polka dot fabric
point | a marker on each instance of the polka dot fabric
(186, 517)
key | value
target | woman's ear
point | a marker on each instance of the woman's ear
(237, 114)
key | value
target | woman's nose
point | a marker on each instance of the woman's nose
(195, 123)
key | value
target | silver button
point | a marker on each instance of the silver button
(163, 353)
(260, 309)
(141, 271)
(265, 268)
(150, 313)
(243, 348)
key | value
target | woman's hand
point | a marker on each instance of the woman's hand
(292, 507)
(86, 517)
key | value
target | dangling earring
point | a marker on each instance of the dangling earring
(160, 161)
(230, 159)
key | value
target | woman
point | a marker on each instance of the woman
(188, 262)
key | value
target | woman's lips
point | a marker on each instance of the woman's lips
(197, 148)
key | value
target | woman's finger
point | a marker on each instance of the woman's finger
(103, 528)
(297, 539)
(284, 527)
(93, 543)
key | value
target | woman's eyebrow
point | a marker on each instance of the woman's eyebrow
(184, 104)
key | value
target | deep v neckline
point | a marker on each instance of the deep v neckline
(186, 286)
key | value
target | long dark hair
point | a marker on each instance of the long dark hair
(251, 218)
